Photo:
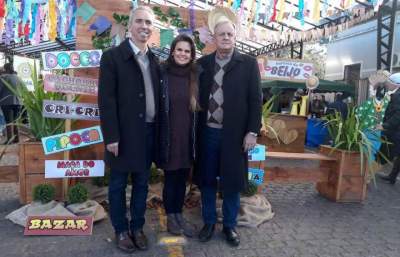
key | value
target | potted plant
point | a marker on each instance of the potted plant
(31, 155)
(352, 149)
(266, 128)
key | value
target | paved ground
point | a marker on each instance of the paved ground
(305, 224)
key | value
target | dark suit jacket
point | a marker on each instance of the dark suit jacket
(391, 126)
(122, 104)
(242, 114)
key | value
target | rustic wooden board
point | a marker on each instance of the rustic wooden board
(31, 170)
(293, 174)
(9, 174)
(346, 182)
(293, 122)
(299, 156)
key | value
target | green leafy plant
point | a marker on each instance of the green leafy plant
(173, 17)
(77, 194)
(32, 104)
(266, 115)
(122, 19)
(349, 134)
(44, 193)
(155, 175)
(251, 189)
(104, 40)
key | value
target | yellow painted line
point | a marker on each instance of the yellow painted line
(174, 244)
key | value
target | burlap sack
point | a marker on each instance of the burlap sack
(254, 211)
(52, 208)
(89, 208)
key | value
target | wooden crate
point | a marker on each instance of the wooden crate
(346, 181)
(292, 122)
(9, 172)
(31, 170)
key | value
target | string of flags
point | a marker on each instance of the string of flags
(41, 20)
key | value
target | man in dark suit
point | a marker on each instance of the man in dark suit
(231, 100)
(391, 128)
(128, 100)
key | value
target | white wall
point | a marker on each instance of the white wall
(357, 45)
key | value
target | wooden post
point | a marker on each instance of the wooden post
(67, 154)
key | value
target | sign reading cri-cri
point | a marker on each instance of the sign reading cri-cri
(71, 59)
(72, 140)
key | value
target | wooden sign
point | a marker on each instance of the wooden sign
(70, 110)
(71, 140)
(256, 175)
(257, 153)
(71, 59)
(285, 69)
(70, 85)
(58, 226)
(73, 168)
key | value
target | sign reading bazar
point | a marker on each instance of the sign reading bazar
(58, 226)
(285, 69)
(73, 168)
(70, 85)
(67, 110)
(71, 140)
(71, 59)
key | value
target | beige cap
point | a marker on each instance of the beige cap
(221, 14)
(312, 82)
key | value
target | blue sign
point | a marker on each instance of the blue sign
(256, 175)
(72, 140)
(257, 153)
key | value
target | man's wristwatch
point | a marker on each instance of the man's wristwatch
(253, 134)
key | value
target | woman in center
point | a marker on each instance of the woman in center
(178, 107)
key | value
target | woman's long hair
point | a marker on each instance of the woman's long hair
(194, 90)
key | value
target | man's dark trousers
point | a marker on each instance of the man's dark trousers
(117, 195)
(211, 147)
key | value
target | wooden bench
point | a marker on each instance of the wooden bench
(296, 174)
(330, 181)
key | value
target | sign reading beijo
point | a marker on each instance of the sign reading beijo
(71, 140)
(67, 110)
(256, 175)
(257, 153)
(73, 168)
(70, 85)
(71, 59)
(285, 69)
(58, 226)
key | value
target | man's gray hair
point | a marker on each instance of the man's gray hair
(139, 8)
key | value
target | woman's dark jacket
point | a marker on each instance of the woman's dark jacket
(164, 128)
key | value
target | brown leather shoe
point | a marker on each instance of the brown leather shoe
(140, 240)
(124, 242)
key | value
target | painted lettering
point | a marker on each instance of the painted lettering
(81, 224)
(35, 224)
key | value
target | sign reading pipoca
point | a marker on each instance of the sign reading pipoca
(285, 69)
(71, 140)
(67, 110)
(70, 85)
(58, 226)
(73, 168)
